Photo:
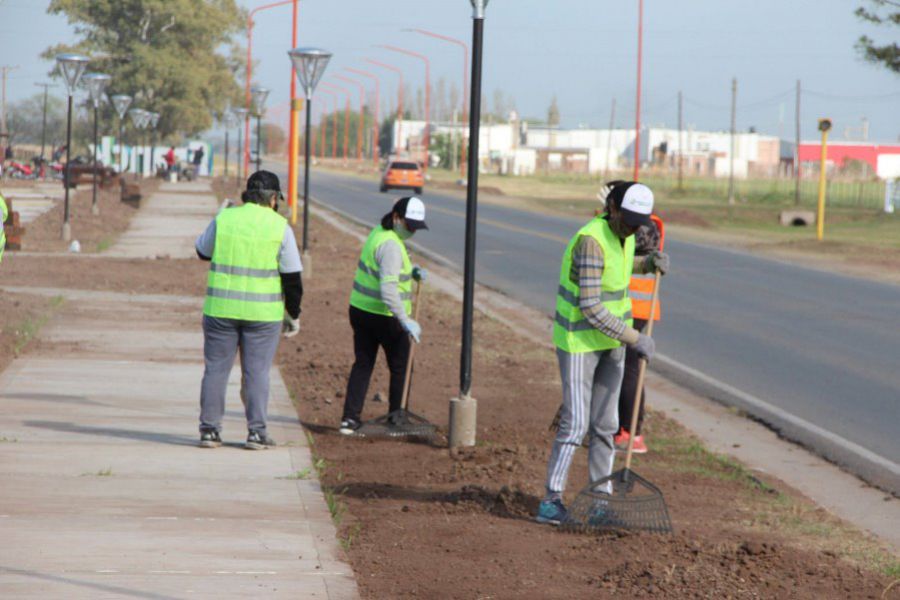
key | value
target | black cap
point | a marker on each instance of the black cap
(634, 201)
(263, 181)
(413, 211)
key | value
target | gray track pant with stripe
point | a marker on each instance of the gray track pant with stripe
(591, 382)
(257, 341)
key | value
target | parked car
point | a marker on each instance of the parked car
(403, 174)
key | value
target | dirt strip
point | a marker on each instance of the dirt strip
(417, 523)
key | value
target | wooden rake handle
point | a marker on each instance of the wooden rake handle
(640, 381)
(412, 351)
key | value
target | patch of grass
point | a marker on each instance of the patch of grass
(107, 472)
(31, 326)
(352, 534)
(335, 506)
(104, 244)
(690, 456)
(8, 440)
(301, 474)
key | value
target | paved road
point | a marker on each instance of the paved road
(821, 346)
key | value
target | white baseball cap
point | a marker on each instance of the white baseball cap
(637, 204)
(413, 210)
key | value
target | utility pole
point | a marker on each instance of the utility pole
(4, 72)
(46, 86)
(731, 157)
(797, 151)
(612, 123)
(680, 142)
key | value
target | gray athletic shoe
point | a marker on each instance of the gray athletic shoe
(258, 441)
(210, 439)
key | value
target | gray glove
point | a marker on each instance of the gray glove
(290, 327)
(656, 261)
(413, 329)
(419, 273)
(645, 347)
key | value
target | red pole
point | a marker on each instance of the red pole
(246, 157)
(399, 72)
(362, 101)
(465, 83)
(427, 96)
(637, 110)
(292, 160)
(375, 136)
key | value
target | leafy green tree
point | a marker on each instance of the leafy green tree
(888, 54)
(165, 53)
(25, 121)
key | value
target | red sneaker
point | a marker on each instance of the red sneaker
(620, 440)
(639, 446)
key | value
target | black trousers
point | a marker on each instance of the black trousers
(629, 385)
(369, 332)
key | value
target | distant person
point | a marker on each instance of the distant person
(381, 308)
(253, 294)
(198, 160)
(4, 213)
(648, 239)
(58, 153)
(169, 157)
(592, 324)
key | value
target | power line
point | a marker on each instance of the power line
(852, 98)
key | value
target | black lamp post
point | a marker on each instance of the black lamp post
(463, 409)
(259, 101)
(96, 84)
(121, 102)
(310, 65)
(72, 67)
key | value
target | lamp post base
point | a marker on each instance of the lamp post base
(463, 413)
(95, 209)
(66, 232)
(306, 259)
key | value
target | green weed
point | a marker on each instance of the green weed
(352, 534)
(301, 474)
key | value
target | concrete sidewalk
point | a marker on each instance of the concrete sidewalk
(105, 492)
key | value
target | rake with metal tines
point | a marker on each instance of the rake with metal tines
(402, 423)
(624, 499)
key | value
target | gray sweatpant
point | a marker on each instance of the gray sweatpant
(591, 382)
(258, 342)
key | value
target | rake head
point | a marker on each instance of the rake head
(633, 504)
(398, 424)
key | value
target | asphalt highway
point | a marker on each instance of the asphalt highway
(822, 346)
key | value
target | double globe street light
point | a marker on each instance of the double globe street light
(96, 84)
(121, 102)
(72, 67)
(310, 65)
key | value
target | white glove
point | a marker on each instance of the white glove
(290, 327)
(645, 347)
(413, 329)
(656, 261)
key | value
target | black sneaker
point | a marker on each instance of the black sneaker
(210, 439)
(258, 441)
(349, 426)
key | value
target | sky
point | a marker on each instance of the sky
(584, 52)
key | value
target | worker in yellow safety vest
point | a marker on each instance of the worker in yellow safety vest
(593, 324)
(648, 239)
(381, 308)
(253, 293)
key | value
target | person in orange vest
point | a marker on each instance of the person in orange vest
(648, 239)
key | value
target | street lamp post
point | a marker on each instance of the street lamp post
(260, 94)
(241, 115)
(310, 65)
(463, 409)
(121, 102)
(139, 120)
(427, 62)
(375, 137)
(72, 67)
(96, 84)
(399, 73)
(154, 121)
(230, 121)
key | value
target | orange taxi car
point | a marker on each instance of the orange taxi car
(403, 174)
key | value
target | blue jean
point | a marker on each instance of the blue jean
(257, 341)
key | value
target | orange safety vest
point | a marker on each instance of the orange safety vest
(641, 287)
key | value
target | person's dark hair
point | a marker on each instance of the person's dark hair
(617, 195)
(399, 209)
(387, 221)
(261, 186)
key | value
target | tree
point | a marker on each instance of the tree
(165, 53)
(553, 113)
(26, 120)
(887, 55)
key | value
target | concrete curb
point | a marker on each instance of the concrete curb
(861, 462)
(865, 464)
